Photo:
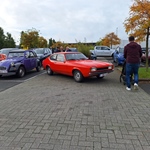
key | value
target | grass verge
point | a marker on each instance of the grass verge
(143, 74)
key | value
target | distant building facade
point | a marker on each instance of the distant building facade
(125, 42)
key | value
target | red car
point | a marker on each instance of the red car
(2, 57)
(143, 58)
(77, 65)
(4, 52)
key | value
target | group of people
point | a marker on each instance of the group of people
(132, 54)
(61, 49)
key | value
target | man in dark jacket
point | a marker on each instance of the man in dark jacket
(132, 54)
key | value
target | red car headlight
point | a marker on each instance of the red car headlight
(93, 69)
(110, 67)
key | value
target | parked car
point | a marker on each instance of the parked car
(2, 57)
(143, 58)
(103, 51)
(4, 52)
(76, 64)
(42, 53)
(118, 56)
(19, 62)
(73, 49)
(143, 50)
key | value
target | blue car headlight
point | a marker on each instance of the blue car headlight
(12, 64)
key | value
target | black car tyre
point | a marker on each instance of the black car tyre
(0, 75)
(117, 64)
(114, 59)
(38, 68)
(95, 58)
(21, 72)
(78, 77)
(49, 71)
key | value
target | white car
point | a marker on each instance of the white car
(102, 51)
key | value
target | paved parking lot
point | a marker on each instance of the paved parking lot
(56, 113)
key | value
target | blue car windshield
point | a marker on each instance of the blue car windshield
(10, 55)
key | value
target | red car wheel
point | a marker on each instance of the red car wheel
(78, 77)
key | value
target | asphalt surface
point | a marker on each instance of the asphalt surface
(145, 86)
(10, 81)
(56, 113)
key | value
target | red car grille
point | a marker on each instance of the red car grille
(102, 68)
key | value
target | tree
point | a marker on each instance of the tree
(51, 42)
(2, 38)
(110, 40)
(138, 23)
(57, 44)
(29, 39)
(9, 41)
(42, 42)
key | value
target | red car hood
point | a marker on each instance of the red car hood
(91, 63)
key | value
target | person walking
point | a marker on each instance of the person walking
(132, 54)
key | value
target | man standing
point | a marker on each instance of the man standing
(132, 54)
(61, 49)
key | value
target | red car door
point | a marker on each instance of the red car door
(60, 65)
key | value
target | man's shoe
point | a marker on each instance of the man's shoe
(135, 86)
(128, 89)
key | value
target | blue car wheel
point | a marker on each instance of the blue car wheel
(21, 72)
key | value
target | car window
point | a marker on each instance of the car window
(70, 57)
(60, 57)
(53, 57)
(39, 50)
(47, 51)
(105, 48)
(98, 48)
(10, 55)
(75, 56)
(27, 54)
(20, 54)
(31, 55)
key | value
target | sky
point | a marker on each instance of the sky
(68, 21)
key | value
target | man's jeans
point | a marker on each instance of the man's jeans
(131, 68)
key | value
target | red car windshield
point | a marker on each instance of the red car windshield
(75, 56)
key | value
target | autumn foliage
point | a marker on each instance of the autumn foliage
(31, 39)
(138, 23)
(110, 40)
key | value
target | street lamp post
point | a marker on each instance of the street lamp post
(117, 31)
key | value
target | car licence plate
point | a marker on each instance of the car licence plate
(102, 75)
(3, 71)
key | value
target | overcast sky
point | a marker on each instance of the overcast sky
(65, 20)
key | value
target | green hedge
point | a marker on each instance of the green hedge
(85, 49)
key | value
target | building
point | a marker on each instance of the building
(125, 42)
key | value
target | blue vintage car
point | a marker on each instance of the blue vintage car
(118, 56)
(19, 62)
